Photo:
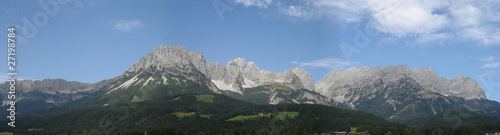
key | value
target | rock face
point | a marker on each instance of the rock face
(33, 95)
(398, 93)
(181, 66)
(55, 86)
(459, 86)
(163, 64)
(235, 76)
(332, 85)
(240, 74)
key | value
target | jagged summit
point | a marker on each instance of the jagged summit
(464, 87)
(172, 66)
(240, 74)
(166, 56)
(398, 93)
(235, 76)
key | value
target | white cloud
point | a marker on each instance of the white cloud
(433, 37)
(489, 82)
(425, 21)
(488, 35)
(126, 25)
(257, 3)
(488, 59)
(295, 11)
(81, 4)
(491, 65)
(3, 78)
(345, 10)
(391, 16)
(408, 17)
(467, 15)
(421, 54)
(333, 63)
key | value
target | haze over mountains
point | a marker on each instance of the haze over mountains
(395, 93)
(38, 94)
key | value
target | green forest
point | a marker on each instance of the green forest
(213, 114)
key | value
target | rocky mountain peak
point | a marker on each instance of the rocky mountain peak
(241, 65)
(401, 68)
(238, 60)
(304, 76)
(235, 76)
(429, 69)
(164, 56)
(240, 74)
(463, 87)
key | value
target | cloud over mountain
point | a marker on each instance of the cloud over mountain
(424, 20)
(126, 25)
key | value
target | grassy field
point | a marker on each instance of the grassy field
(176, 99)
(34, 129)
(188, 114)
(136, 99)
(353, 129)
(183, 114)
(205, 98)
(205, 116)
(282, 115)
(243, 117)
(6, 133)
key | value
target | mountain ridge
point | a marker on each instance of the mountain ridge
(425, 78)
(395, 92)
(240, 69)
(37, 94)
(234, 78)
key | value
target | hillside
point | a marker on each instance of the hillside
(454, 120)
(193, 114)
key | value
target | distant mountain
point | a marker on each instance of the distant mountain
(332, 84)
(400, 94)
(34, 95)
(394, 93)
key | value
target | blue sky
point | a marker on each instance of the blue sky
(90, 40)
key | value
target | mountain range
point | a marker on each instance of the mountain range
(395, 93)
